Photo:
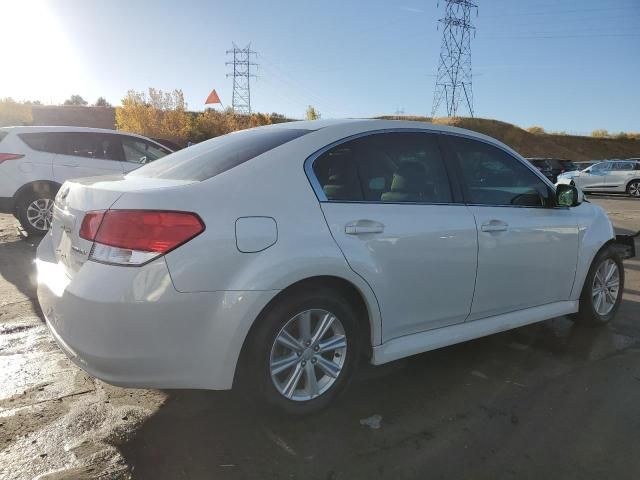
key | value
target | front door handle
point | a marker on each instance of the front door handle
(494, 226)
(361, 227)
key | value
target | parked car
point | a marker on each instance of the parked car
(552, 167)
(608, 176)
(543, 166)
(277, 258)
(35, 161)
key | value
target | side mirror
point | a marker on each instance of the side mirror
(568, 195)
(587, 170)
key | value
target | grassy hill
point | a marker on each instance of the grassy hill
(570, 147)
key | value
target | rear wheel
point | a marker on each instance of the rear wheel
(305, 351)
(633, 188)
(34, 210)
(602, 291)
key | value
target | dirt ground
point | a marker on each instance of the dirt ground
(549, 400)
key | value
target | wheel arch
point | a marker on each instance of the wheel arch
(352, 293)
(635, 179)
(34, 186)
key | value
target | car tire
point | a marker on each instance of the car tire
(34, 210)
(270, 344)
(633, 188)
(599, 308)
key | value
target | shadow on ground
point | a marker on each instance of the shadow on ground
(482, 409)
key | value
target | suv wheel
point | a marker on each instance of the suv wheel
(305, 351)
(602, 291)
(34, 211)
(633, 188)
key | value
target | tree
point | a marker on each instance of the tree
(156, 114)
(14, 113)
(102, 102)
(312, 113)
(75, 100)
(601, 133)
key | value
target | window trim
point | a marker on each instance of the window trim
(459, 176)
(456, 194)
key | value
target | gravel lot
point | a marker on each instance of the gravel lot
(545, 401)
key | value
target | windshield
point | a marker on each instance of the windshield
(208, 159)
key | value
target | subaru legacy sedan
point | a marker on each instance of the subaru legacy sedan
(277, 259)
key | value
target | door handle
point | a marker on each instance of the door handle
(494, 226)
(361, 227)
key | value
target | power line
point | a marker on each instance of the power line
(453, 82)
(241, 73)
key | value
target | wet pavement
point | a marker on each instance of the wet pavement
(550, 400)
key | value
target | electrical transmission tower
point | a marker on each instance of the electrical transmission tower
(241, 73)
(453, 82)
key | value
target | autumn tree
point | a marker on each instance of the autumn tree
(155, 114)
(312, 113)
(14, 113)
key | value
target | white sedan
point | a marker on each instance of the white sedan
(279, 257)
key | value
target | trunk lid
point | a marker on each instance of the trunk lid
(77, 197)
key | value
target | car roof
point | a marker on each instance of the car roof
(64, 129)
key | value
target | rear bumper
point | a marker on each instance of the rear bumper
(129, 326)
(6, 205)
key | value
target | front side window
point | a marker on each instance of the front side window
(491, 176)
(600, 167)
(140, 151)
(394, 167)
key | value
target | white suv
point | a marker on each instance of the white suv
(280, 257)
(35, 162)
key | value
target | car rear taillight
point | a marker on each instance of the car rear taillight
(134, 237)
(9, 156)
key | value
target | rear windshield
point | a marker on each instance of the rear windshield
(208, 159)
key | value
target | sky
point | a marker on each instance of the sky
(569, 65)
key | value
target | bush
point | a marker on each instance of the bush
(601, 133)
(13, 113)
(536, 130)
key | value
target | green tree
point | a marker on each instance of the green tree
(312, 113)
(75, 100)
(102, 102)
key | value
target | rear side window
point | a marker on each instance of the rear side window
(41, 141)
(101, 146)
(394, 167)
(208, 159)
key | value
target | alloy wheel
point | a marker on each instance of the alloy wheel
(308, 355)
(39, 213)
(606, 287)
(634, 189)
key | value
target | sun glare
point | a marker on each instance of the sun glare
(39, 61)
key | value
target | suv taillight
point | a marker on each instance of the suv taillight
(134, 237)
(9, 156)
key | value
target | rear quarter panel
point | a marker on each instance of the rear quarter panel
(32, 167)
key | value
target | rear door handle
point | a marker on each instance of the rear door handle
(494, 226)
(362, 227)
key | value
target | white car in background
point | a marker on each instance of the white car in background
(619, 176)
(279, 257)
(36, 161)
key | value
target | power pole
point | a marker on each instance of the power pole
(453, 82)
(241, 73)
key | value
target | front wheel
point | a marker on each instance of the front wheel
(602, 291)
(305, 351)
(633, 188)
